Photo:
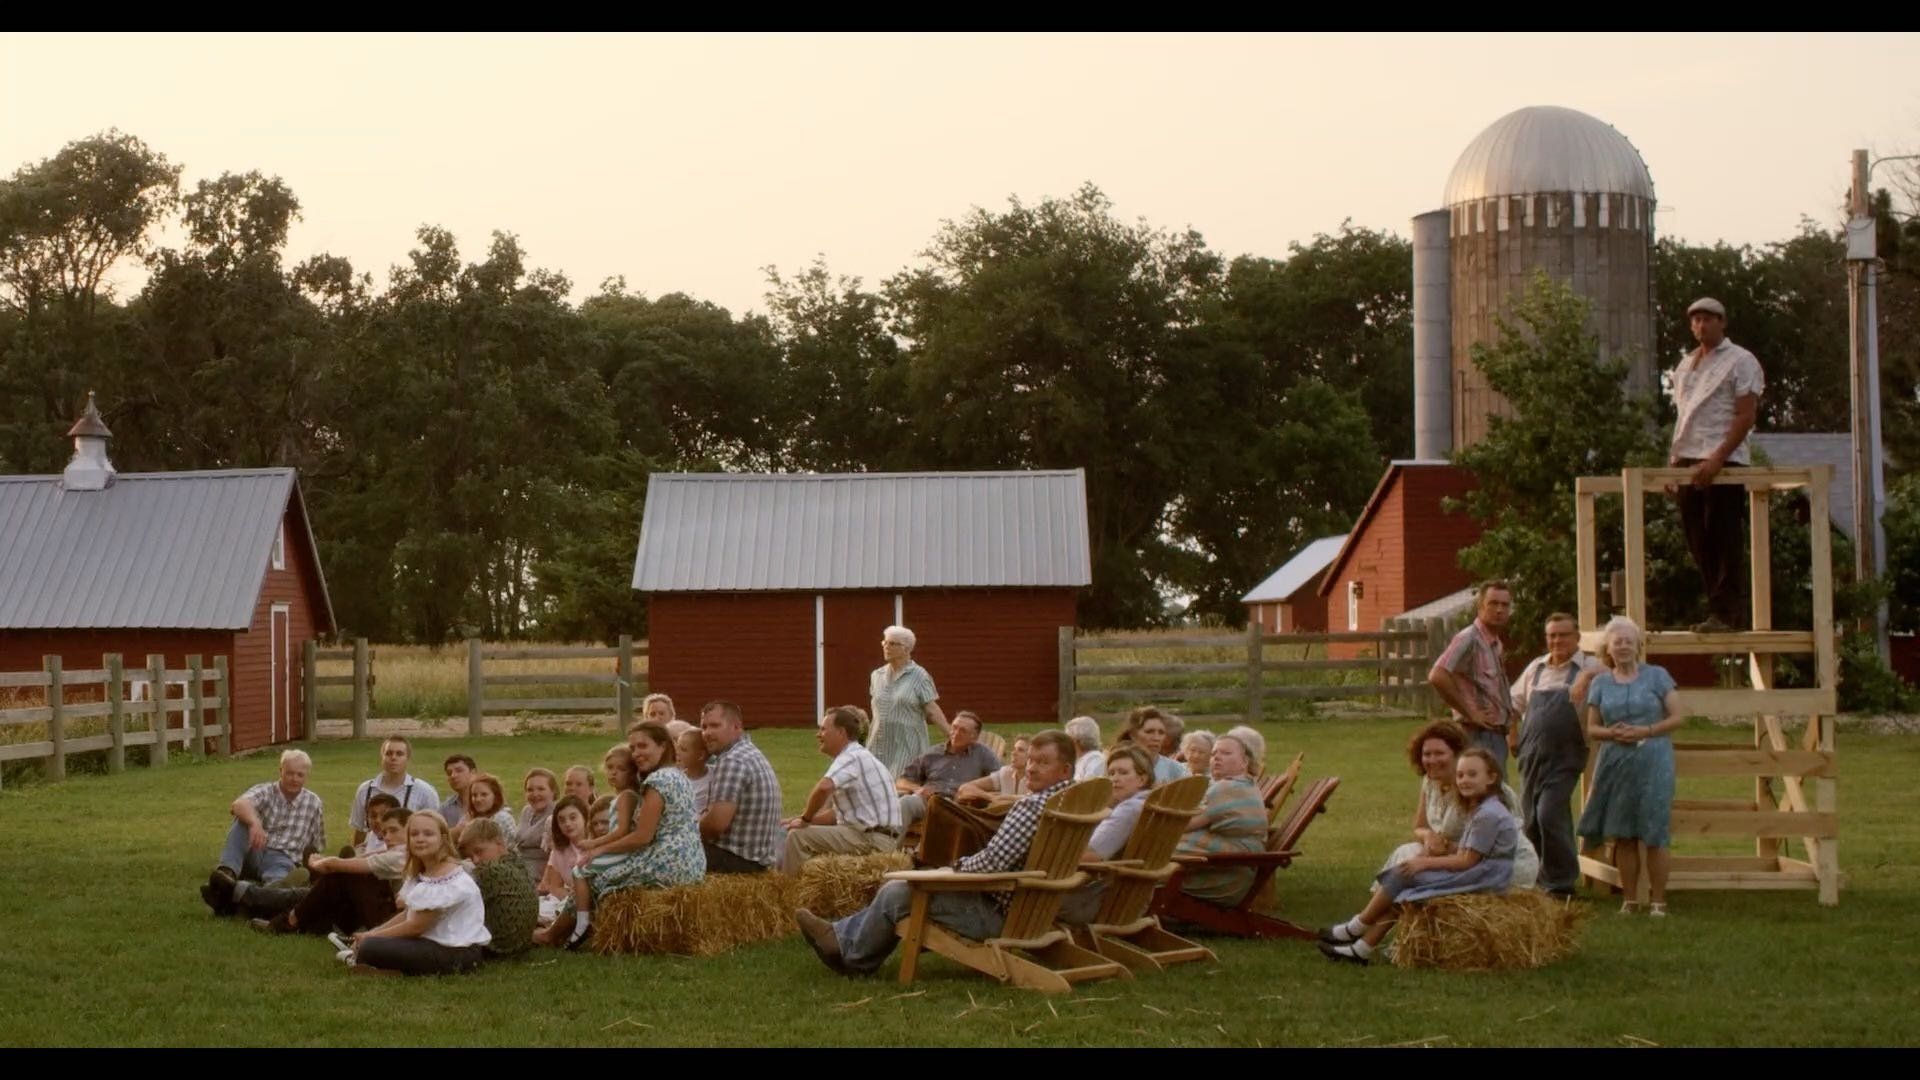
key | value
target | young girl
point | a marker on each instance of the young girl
(600, 817)
(442, 926)
(690, 754)
(567, 831)
(1483, 862)
(540, 787)
(485, 798)
(579, 783)
(575, 920)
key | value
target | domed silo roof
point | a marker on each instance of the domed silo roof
(1544, 148)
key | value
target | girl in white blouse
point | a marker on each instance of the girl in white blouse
(441, 927)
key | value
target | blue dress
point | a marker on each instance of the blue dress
(1632, 784)
(1492, 832)
(675, 856)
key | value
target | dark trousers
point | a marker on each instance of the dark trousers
(1547, 819)
(417, 956)
(1715, 520)
(722, 861)
(344, 902)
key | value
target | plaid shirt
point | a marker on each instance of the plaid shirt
(1480, 659)
(1007, 850)
(863, 795)
(295, 825)
(743, 776)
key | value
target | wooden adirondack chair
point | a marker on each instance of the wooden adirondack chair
(1275, 788)
(1123, 930)
(1282, 848)
(995, 742)
(1030, 952)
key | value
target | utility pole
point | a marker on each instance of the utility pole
(1869, 481)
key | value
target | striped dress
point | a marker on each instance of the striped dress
(1236, 821)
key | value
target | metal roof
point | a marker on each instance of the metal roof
(1447, 607)
(176, 550)
(1547, 148)
(1297, 571)
(724, 532)
(1816, 448)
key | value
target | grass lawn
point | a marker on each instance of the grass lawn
(106, 941)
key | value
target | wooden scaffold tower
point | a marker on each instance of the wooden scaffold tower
(1806, 804)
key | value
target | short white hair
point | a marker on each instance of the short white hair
(900, 634)
(1085, 733)
(296, 757)
(1198, 738)
(1616, 626)
(1254, 743)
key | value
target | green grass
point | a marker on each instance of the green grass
(106, 942)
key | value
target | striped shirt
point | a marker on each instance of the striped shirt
(1480, 659)
(743, 776)
(295, 826)
(1007, 850)
(863, 795)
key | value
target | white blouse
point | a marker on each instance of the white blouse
(456, 896)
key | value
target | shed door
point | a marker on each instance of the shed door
(280, 675)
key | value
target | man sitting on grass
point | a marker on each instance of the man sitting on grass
(275, 824)
(861, 942)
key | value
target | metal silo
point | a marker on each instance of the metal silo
(1551, 189)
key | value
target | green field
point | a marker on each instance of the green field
(107, 941)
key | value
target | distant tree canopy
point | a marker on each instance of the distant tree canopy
(475, 446)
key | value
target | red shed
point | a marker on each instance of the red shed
(1403, 551)
(772, 590)
(216, 563)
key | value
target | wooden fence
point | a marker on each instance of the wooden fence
(1391, 671)
(356, 705)
(123, 693)
(622, 684)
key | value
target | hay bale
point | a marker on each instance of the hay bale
(1485, 932)
(835, 886)
(721, 913)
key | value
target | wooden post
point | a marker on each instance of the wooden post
(197, 707)
(623, 690)
(116, 713)
(1436, 644)
(1587, 561)
(57, 722)
(224, 747)
(157, 720)
(362, 683)
(1066, 675)
(1633, 487)
(310, 678)
(475, 687)
(1760, 665)
(1254, 657)
(1820, 534)
(1826, 860)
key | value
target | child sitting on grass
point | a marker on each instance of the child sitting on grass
(566, 832)
(541, 788)
(579, 783)
(485, 798)
(575, 921)
(504, 889)
(441, 928)
(599, 819)
(379, 805)
(1482, 863)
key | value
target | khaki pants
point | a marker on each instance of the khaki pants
(804, 843)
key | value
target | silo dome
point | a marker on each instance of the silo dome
(1546, 148)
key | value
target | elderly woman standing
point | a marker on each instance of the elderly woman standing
(904, 699)
(1631, 708)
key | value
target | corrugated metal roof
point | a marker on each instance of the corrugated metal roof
(1447, 607)
(1547, 148)
(1297, 571)
(181, 550)
(722, 532)
(1816, 448)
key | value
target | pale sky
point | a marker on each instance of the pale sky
(689, 163)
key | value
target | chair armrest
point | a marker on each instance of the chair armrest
(954, 881)
(1251, 858)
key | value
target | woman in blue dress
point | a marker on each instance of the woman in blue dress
(1631, 706)
(1482, 863)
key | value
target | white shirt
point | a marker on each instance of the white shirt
(1091, 764)
(863, 795)
(1542, 674)
(1704, 390)
(456, 896)
(414, 794)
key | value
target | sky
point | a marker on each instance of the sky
(690, 164)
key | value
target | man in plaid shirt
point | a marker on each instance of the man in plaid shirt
(275, 825)
(861, 942)
(740, 829)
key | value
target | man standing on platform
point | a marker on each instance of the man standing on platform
(1716, 392)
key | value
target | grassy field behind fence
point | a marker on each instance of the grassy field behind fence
(108, 943)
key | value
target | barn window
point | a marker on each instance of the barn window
(280, 548)
(1353, 605)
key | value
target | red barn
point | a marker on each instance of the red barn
(1403, 551)
(771, 591)
(1289, 601)
(218, 563)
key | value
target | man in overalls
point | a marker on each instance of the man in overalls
(1551, 750)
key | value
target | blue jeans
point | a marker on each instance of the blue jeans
(270, 864)
(867, 937)
(1493, 742)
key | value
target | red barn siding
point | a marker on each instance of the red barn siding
(754, 649)
(852, 623)
(83, 650)
(1433, 537)
(995, 651)
(1407, 551)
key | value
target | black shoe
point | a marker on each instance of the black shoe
(1342, 955)
(1332, 935)
(219, 890)
(819, 934)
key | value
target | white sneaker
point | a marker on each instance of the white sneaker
(345, 956)
(340, 942)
